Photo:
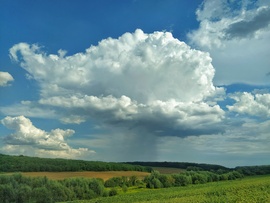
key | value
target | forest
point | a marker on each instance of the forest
(34, 164)
(182, 165)
(21, 163)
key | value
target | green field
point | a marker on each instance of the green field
(254, 189)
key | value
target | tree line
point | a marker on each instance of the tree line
(34, 164)
(17, 188)
(157, 180)
(245, 170)
(253, 170)
(182, 165)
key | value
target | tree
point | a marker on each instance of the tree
(24, 193)
(7, 193)
(182, 180)
(133, 180)
(42, 195)
(114, 182)
(96, 186)
(155, 183)
(166, 180)
(152, 181)
(113, 192)
(198, 178)
(60, 192)
(124, 188)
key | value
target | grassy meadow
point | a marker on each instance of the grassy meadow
(254, 189)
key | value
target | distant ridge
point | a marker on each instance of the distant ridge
(245, 170)
(21, 163)
(9, 163)
(182, 165)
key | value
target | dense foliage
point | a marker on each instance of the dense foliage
(18, 188)
(124, 182)
(247, 190)
(31, 164)
(245, 170)
(183, 165)
(254, 170)
(157, 180)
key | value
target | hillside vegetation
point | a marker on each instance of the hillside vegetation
(193, 183)
(248, 190)
(182, 165)
(34, 164)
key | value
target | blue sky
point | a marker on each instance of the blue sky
(136, 80)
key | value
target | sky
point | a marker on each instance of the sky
(136, 80)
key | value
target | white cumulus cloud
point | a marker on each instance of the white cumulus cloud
(251, 104)
(144, 67)
(236, 34)
(138, 81)
(5, 78)
(28, 137)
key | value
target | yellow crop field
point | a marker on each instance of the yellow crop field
(105, 175)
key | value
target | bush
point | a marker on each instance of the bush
(7, 193)
(42, 195)
(113, 192)
(24, 193)
(96, 186)
(166, 180)
(113, 182)
(124, 188)
(60, 192)
(105, 193)
(223, 177)
(153, 182)
(198, 178)
(132, 181)
(182, 180)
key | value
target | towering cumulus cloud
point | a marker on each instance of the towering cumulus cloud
(144, 67)
(150, 84)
